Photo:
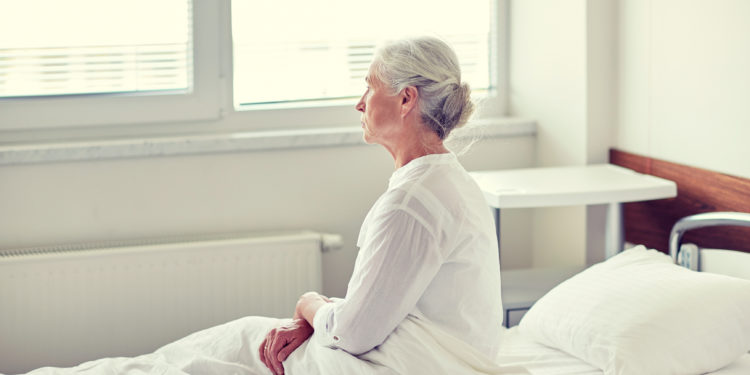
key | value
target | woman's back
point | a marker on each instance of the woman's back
(434, 210)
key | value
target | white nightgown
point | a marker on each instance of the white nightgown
(427, 248)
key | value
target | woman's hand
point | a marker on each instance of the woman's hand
(281, 341)
(308, 304)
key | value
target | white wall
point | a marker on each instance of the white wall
(325, 189)
(684, 92)
(547, 75)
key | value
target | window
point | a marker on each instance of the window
(282, 56)
(94, 63)
(49, 48)
(173, 66)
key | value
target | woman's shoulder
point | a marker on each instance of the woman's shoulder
(430, 191)
(446, 181)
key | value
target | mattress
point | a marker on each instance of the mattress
(518, 349)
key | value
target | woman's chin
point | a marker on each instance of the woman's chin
(366, 137)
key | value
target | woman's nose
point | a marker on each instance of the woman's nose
(361, 105)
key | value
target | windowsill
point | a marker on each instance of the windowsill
(229, 142)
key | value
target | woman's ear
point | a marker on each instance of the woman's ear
(409, 96)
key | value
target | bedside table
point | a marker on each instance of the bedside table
(563, 186)
(521, 288)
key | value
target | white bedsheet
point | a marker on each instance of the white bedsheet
(520, 350)
(416, 347)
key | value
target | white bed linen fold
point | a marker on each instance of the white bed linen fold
(520, 350)
(415, 347)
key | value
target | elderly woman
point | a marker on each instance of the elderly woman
(427, 246)
(425, 294)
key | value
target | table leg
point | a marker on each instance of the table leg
(496, 214)
(615, 231)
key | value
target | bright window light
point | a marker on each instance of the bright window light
(52, 47)
(301, 51)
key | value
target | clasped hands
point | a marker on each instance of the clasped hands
(281, 341)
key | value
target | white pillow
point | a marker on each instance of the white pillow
(637, 313)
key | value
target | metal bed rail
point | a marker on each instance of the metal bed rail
(709, 219)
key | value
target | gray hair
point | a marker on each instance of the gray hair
(431, 66)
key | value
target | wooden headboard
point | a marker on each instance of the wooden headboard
(698, 191)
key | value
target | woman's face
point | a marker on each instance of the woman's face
(380, 112)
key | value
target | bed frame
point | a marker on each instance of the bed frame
(699, 191)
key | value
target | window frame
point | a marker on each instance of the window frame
(210, 105)
(107, 109)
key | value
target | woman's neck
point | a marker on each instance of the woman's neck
(415, 147)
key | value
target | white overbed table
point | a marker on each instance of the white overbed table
(597, 184)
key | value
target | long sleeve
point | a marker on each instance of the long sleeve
(399, 259)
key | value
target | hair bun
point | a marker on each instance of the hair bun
(458, 107)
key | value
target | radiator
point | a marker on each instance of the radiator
(65, 305)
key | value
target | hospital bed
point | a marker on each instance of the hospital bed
(562, 338)
(636, 313)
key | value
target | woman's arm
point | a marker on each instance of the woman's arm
(399, 258)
